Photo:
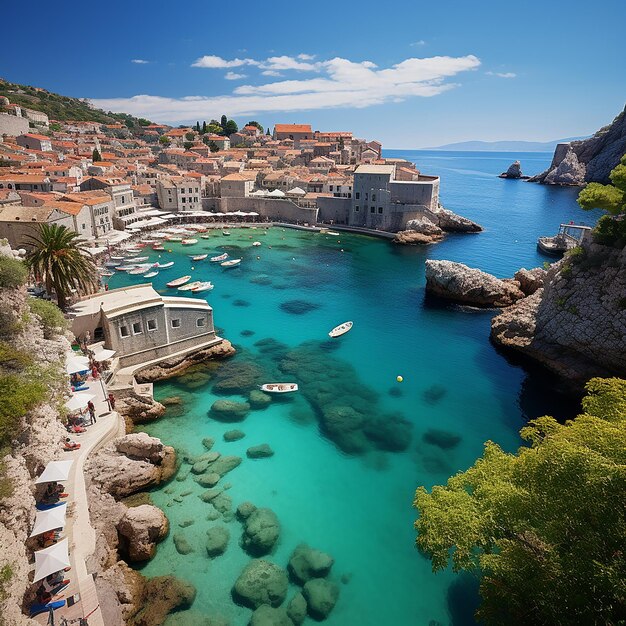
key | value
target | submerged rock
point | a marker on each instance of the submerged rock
(258, 399)
(296, 609)
(269, 616)
(229, 410)
(210, 494)
(182, 543)
(208, 442)
(160, 596)
(434, 394)
(260, 533)
(261, 582)
(390, 432)
(225, 464)
(321, 597)
(238, 377)
(209, 479)
(217, 540)
(234, 435)
(441, 438)
(244, 510)
(306, 563)
(223, 503)
(247, 333)
(299, 307)
(261, 451)
(195, 618)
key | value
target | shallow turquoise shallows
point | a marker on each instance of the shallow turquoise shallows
(457, 392)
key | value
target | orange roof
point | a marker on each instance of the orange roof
(87, 197)
(292, 128)
(40, 137)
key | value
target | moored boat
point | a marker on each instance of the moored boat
(256, 244)
(104, 272)
(175, 239)
(150, 274)
(140, 269)
(225, 233)
(190, 286)
(179, 281)
(221, 257)
(158, 248)
(206, 236)
(342, 329)
(231, 263)
(333, 233)
(125, 268)
(189, 242)
(568, 237)
(164, 266)
(199, 257)
(206, 286)
(279, 387)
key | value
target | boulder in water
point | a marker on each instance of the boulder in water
(306, 563)
(217, 540)
(261, 451)
(299, 307)
(441, 438)
(321, 596)
(269, 616)
(258, 399)
(514, 171)
(296, 609)
(182, 543)
(142, 527)
(229, 410)
(244, 510)
(260, 533)
(208, 480)
(234, 435)
(261, 582)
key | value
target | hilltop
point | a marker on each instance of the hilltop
(504, 146)
(62, 108)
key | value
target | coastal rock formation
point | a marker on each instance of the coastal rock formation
(576, 323)
(514, 171)
(530, 280)
(457, 282)
(229, 410)
(177, 365)
(261, 451)
(260, 532)
(234, 435)
(142, 527)
(297, 609)
(453, 223)
(306, 563)
(131, 463)
(321, 596)
(160, 596)
(138, 409)
(270, 616)
(261, 582)
(589, 160)
(431, 227)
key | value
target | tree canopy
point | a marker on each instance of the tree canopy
(254, 123)
(611, 198)
(96, 156)
(545, 527)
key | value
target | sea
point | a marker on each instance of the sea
(332, 487)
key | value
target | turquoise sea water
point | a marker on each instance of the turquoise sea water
(357, 506)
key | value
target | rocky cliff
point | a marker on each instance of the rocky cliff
(589, 160)
(432, 226)
(576, 324)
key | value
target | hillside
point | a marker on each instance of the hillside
(62, 108)
(504, 146)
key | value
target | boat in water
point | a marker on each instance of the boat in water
(189, 242)
(231, 263)
(221, 257)
(175, 239)
(141, 269)
(333, 233)
(205, 236)
(342, 329)
(279, 387)
(158, 248)
(139, 259)
(190, 286)
(199, 257)
(106, 273)
(225, 233)
(256, 244)
(207, 286)
(568, 237)
(151, 274)
(125, 268)
(164, 266)
(179, 281)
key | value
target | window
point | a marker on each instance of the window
(124, 331)
(366, 196)
(137, 329)
(184, 199)
(176, 323)
(373, 197)
(200, 322)
(331, 187)
(356, 208)
(152, 325)
(380, 209)
(357, 195)
(83, 226)
(372, 209)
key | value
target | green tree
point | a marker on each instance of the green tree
(254, 123)
(546, 527)
(215, 129)
(188, 145)
(203, 131)
(96, 156)
(213, 147)
(268, 132)
(198, 127)
(55, 127)
(142, 121)
(58, 258)
(189, 136)
(164, 141)
(223, 122)
(231, 127)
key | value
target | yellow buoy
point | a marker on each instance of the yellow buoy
(399, 379)
(169, 250)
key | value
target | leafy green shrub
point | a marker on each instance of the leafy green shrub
(9, 324)
(610, 231)
(13, 359)
(6, 573)
(18, 394)
(50, 315)
(13, 273)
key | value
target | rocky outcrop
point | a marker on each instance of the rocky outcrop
(262, 451)
(141, 528)
(136, 408)
(261, 582)
(306, 563)
(432, 226)
(175, 366)
(530, 280)
(589, 160)
(130, 464)
(514, 171)
(260, 532)
(459, 283)
(321, 596)
(576, 324)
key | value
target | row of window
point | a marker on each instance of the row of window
(357, 195)
(137, 328)
(372, 209)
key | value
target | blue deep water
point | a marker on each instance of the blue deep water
(357, 506)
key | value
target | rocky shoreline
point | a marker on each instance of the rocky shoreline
(432, 227)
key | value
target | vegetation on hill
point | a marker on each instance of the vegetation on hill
(545, 528)
(63, 108)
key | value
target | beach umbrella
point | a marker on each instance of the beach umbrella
(78, 401)
(51, 560)
(77, 364)
(49, 520)
(104, 354)
(55, 470)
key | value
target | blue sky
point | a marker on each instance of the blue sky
(410, 74)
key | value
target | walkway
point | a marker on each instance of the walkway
(80, 533)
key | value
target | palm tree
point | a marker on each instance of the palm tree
(59, 259)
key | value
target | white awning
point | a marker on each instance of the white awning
(51, 560)
(103, 354)
(277, 193)
(78, 401)
(49, 520)
(77, 364)
(55, 471)
(297, 191)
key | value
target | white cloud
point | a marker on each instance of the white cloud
(234, 76)
(285, 62)
(502, 74)
(139, 61)
(420, 42)
(214, 62)
(343, 83)
(271, 73)
(306, 57)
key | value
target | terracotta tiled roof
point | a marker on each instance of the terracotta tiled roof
(292, 128)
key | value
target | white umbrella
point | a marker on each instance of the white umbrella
(78, 401)
(77, 364)
(51, 560)
(104, 355)
(49, 520)
(55, 470)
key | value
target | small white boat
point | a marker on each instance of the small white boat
(111, 263)
(190, 286)
(116, 258)
(125, 268)
(342, 329)
(199, 257)
(158, 248)
(225, 233)
(151, 274)
(205, 236)
(203, 287)
(164, 266)
(189, 242)
(139, 259)
(256, 244)
(140, 269)
(179, 281)
(175, 239)
(148, 241)
(221, 257)
(231, 263)
(333, 233)
(279, 387)
(104, 272)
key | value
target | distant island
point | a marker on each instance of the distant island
(504, 146)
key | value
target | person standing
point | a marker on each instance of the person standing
(92, 412)
(112, 401)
